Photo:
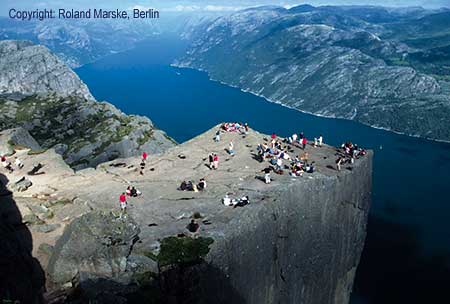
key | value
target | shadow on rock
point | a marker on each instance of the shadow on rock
(188, 284)
(393, 269)
(22, 277)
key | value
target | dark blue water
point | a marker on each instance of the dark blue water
(407, 254)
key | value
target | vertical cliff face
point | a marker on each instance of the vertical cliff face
(301, 246)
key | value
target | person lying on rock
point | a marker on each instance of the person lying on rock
(242, 202)
(231, 148)
(35, 169)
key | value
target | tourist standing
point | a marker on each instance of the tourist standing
(215, 161)
(123, 203)
(304, 142)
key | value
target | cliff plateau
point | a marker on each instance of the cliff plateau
(298, 241)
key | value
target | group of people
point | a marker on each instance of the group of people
(131, 190)
(123, 198)
(213, 159)
(235, 127)
(349, 152)
(191, 186)
(231, 202)
(8, 165)
(277, 153)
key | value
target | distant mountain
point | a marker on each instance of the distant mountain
(349, 62)
(31, 69)
(39, 93)
(78, 42)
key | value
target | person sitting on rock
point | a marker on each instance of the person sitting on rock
(267, 175)
(279, 164)
(6, 164)
(227, 200)
(193, 229)
(18, 163)
(309, 168)
(201, 184)
(128, 191)
(134, 192)
(183, 186)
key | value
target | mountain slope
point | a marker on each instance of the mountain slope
(325, 62)
(32, 69)
(41, 94)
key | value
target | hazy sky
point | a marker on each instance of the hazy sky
(195, 5)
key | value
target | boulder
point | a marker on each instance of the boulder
(45, 249)
(46, 228)
(96, 243)
(17, 137)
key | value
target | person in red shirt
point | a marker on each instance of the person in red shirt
(144, 156)
(304, 142)
(123, 202)
(274, 136)
(215, 161)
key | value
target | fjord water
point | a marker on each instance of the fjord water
(407, 253)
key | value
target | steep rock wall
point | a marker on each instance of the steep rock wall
(302, 247)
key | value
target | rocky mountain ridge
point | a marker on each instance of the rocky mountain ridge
(39, 93)
(332, 62)
(29, 69)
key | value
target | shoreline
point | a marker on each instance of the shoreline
(306, 112)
